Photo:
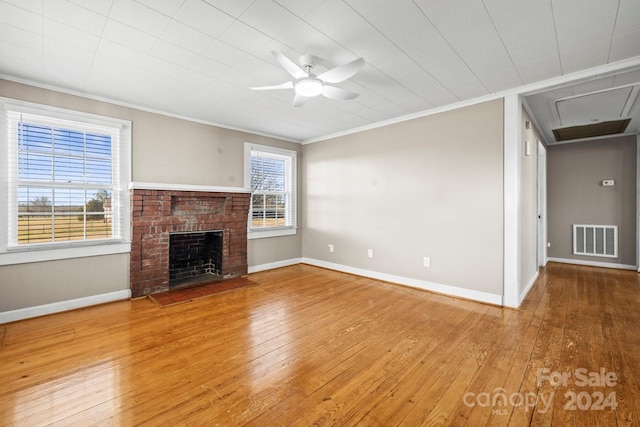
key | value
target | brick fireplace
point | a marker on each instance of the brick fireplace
(157, 214)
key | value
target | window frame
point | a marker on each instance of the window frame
(13, 253)
(287, 230)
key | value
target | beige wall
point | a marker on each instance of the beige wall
(427, 187)
(576, 195)
(529, 201)
(164, 150)
(175, 151)
(39, 283)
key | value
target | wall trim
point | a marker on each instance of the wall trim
(52, 253)
(186, 187)
(276, 264)
(526, 290)
(593, 263)
(638, 201)
(439, 288)
(57, 307)
(512, 171)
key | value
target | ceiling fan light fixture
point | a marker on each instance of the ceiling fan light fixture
(306, 84)
(308, 87)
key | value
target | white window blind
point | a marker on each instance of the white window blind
(273, 186)
(63, 181)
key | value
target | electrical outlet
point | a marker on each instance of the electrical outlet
(370, 253)
(427, 261)
(548, 244)
(330, 248)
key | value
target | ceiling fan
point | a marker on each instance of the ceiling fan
(306, 84)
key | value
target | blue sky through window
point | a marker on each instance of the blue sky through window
(55, 157)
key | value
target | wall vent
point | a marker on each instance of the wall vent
(595, 240)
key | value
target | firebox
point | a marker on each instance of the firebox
(195, 257)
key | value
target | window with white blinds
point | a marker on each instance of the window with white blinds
(64, 182)
(271, 175)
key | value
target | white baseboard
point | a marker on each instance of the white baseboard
(526, 290)
(594, 263)
(57, 307)
(415, 283)
(272, 265)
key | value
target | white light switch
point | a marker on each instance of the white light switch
(370, 253)
(608, 183)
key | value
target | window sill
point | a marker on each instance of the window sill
(261, 234)
(29, 255)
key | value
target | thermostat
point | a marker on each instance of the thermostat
(608, 183)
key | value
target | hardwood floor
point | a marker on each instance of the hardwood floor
(309, 346)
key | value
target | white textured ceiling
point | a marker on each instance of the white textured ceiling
(196, 58)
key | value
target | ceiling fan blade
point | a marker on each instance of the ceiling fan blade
(285, 85)
(299, 100)
(289, 65)
(342, 72)
(338, 94)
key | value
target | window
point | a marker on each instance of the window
(270, 173)
(67, 180)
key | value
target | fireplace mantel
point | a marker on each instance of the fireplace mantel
(186, 187)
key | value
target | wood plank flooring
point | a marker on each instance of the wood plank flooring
(309, 346)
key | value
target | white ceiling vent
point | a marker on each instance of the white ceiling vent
(605, 105)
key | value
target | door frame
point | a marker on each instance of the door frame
(638, 203)
(542, 205)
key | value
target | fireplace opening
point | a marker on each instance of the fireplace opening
(195, 257)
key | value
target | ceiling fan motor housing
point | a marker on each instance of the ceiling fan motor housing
(308, 61)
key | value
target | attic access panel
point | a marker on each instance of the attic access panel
(610, 104)
(590, 131)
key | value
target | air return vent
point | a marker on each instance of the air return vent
(595, 240)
